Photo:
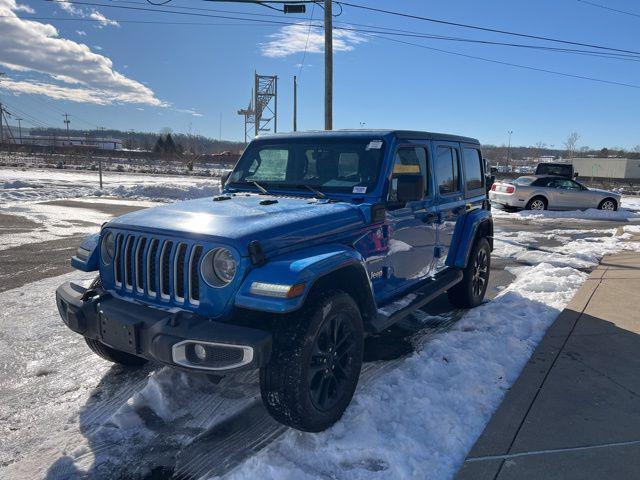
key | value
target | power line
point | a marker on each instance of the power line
(374, 29)
(604, 7)
(485, 29)
(306, 44)
(516, 65)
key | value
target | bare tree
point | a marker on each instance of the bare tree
(636, 149)
(570, 144)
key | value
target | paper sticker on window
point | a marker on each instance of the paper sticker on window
(359, 189)
(399, 168)
(374, 145)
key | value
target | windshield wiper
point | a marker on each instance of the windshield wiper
(260, 187)
(317, 193)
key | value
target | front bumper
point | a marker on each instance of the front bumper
(167, 337)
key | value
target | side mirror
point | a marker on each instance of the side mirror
(224, 178)
(410, 188)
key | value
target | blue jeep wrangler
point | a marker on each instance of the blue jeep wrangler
(316, 241)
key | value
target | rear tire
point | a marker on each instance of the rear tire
(315, 363)
(537, 203)
(608, 204)
(113, 355)
(470, 291)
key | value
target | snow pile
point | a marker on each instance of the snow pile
(620, 215)
(164, 192)
(577, 249)
(42, 185)
(631, 202)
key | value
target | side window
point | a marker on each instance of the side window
(472, 168)
(447, 170)
(408, 161)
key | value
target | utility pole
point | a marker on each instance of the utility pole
(2, 74)
(20, 128)
(1, 127)
(509, 148)
(67, 121)
(295, 103)
(328, 65)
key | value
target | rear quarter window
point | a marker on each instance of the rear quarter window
(472, 164)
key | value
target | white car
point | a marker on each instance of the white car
(552, 192)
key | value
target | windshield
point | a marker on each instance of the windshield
(328, 165)
(524, 181)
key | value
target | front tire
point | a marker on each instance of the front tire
(470, 291)
(113, 355)
(608, 204)
(315, 363)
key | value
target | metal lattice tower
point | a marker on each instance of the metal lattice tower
(262, 112)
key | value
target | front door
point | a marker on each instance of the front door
(411, 227)
(450, 201)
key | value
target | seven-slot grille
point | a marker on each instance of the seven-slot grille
(158, 268)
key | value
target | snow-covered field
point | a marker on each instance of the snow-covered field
(40, 185)
(26, 193)
(65, 413)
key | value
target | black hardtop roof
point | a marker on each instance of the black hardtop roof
(400, 134)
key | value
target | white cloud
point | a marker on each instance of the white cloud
(70, 8)
(103, 21)
(190, 111)
(97, 47)
(24, 9)
(292, 39)
(82, 33)
(94, 14)
(36, 47)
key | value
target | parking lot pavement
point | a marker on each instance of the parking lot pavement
(574, 412)
(31, 259)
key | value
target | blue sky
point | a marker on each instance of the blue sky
(185, 76)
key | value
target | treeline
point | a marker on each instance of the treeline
(147, 141)
(499, 153)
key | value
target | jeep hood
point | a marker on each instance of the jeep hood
(247, 217)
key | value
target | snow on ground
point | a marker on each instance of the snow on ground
(622, 215)
(40, 185)
(55, 221)
(421, 419)
(66, 413)
(631, 202)
(24, 193)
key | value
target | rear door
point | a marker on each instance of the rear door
(449, 195)
(412, 226)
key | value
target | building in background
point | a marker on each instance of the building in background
(607, 168)
(64, 141)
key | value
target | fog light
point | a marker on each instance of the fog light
(200, 352)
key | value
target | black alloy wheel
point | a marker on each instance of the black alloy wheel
(331, 362)
(315, 362)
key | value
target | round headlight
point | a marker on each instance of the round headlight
(108, 248)
(224, 265)
(219, 267)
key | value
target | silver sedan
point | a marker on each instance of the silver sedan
(542, 192)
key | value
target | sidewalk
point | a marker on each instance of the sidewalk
(574, 412)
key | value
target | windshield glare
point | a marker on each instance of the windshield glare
(349, 167)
